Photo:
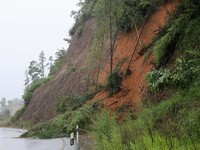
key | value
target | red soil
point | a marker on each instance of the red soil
(134, 86)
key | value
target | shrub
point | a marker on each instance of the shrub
(114, 81)
(158, 79)
(106, 132)
(184, 73)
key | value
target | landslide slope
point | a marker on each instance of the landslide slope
(134, 87)
(68, 81)
(71, 79)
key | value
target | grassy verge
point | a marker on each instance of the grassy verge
(63, 124)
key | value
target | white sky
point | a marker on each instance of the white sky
(26, 28)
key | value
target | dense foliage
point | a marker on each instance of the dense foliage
(125, 13)
(171, 124)
(182, 31)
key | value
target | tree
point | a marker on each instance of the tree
(42, 64)
(3, 102)
(60, 54)
(107, 14)
(50, 62)
(34, 70)
(27, 80)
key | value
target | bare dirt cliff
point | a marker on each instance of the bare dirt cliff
(68, 81)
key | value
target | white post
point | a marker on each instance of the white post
(77, 136)
(72, 141)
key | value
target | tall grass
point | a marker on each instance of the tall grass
(171, 124)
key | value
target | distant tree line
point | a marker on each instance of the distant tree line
(6, 107)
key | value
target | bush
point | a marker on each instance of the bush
(114, 81)
(184, 73)
(158, 79)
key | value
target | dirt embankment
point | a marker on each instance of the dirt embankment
(72, 78)
(134, 87)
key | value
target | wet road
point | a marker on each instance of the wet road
(9, 141)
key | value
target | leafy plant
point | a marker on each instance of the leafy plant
(114, 81)
(158, 79)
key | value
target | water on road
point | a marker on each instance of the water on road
(9, 141)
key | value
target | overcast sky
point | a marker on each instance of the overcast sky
(28, 27)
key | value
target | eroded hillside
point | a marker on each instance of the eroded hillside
(75, 75)
(134, 87)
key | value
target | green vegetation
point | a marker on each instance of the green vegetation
(32, 87)
(178, 33)
(106, 130)
(72, 103)
(63, 124)
(18, 114)
(114, 81)
(171, 124)
(125, 13)
(187, 67)
(35, 77)
(81, 16)
(60, 54)
(71, 112)
(174, 122)
(185, 72)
